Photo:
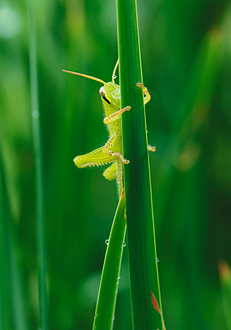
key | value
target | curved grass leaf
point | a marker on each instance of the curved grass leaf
(105, 308)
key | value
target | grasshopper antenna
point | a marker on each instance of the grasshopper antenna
(85, 76)
(114, 71)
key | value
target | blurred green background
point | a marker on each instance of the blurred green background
(186, 57)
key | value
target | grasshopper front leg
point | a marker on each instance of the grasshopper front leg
(115, 115)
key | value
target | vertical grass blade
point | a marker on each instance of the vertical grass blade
(144, 278)
(105, 308)
(6, 313)
(12, 307)
(43, 305)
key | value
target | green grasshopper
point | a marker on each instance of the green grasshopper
(111, 152)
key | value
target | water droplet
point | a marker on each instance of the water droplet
(124, 244)
(107, 241)
(115, 76)
(157, 260)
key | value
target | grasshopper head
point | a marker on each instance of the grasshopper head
(110, 94)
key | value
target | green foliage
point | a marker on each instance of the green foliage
(186, 66)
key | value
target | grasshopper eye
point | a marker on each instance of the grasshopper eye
(101, 91)
(102, 94)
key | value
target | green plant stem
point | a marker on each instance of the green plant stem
(105, 308)
(43, 304)
(139, 211)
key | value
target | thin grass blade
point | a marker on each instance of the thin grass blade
(43, 304)
(105, 308)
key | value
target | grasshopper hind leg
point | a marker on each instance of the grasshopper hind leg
(146, 92)
(115, 171)
(108, 151)
(120, 176)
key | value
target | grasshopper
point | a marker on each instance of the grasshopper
(111, 152)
